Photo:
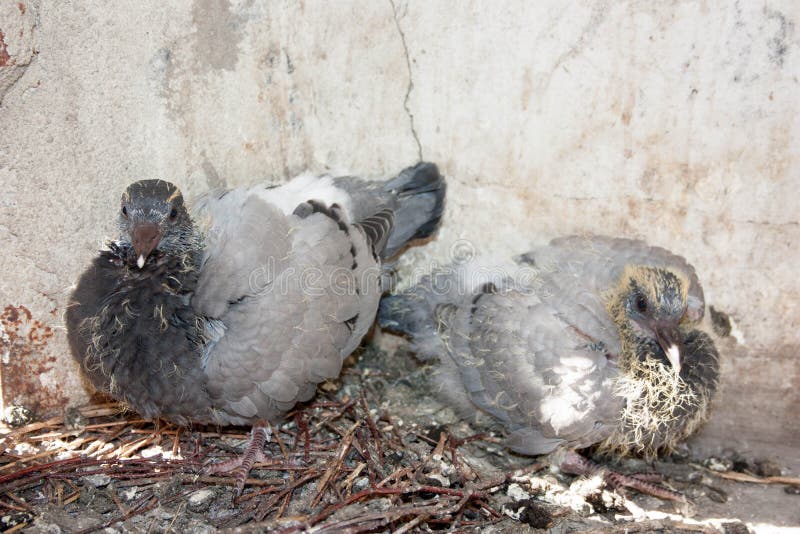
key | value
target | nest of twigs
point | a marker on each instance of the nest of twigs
(369, 454)
(338, 464)
(335, 468)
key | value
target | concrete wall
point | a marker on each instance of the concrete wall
(672, 121)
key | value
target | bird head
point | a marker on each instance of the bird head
(152, 218)
(650, 305)
(660, 407)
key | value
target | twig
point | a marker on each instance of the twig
(375, 470)
(744, 477)
(124, 511)
(411, 524)
(137, 509)
(376, 435)
(181, 506)
(347, 483)
(339, 413)
(51, 466)
(16, 528)
(376, 492)
(176, 443)
(16, 508)
(347, 440)
(205, 479)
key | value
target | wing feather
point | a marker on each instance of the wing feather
(290, 285)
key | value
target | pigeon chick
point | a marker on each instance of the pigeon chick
(233, 314)
(586, 341)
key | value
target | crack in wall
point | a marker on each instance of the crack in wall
(410, 80)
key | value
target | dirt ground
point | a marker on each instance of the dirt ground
(374, 452)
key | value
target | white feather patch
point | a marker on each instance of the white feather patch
(306, 187)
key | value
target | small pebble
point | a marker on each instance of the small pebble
(73, 418)
(98, 481)
(735, 527)
(14, 520)
(716, 495)
(436, 479)
(516, 492)
(361, 483)
(536, 515)
(199, 527)
(16, 416)
(200, 500)
(719, 464)
(767, 468)
(152, 452)
(394, 457)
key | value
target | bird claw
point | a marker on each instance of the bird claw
(227, 466)
(640, 483)
(574, 463)
(241, 465)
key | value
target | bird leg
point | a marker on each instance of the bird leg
(647, 477)
(241, 465)
(575, 464)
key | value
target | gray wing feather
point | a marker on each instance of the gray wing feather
(378, 228)
(540, 374)
(245, 238)
(528, 354)
(290, 325)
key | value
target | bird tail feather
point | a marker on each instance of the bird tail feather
(419, 192)
(415, 315)
(401, 314)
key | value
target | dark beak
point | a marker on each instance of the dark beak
(671, 340)
(145, 237)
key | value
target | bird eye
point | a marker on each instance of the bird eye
(124, 211)
(173, 214)
(641, 304)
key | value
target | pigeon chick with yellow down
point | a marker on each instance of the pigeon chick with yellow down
(589, 341)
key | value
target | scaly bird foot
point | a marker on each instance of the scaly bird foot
(618, 481)
(241, 465)
(573, 463)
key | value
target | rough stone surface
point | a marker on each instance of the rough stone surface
(17, 22)
(671, 121)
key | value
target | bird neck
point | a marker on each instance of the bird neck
(629, 343)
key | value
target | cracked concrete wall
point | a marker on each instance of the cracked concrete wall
(676, 122)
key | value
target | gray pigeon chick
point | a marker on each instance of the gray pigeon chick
(233, 314)
(587, 341)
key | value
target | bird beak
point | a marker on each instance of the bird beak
(145, 237)
(671, 341)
